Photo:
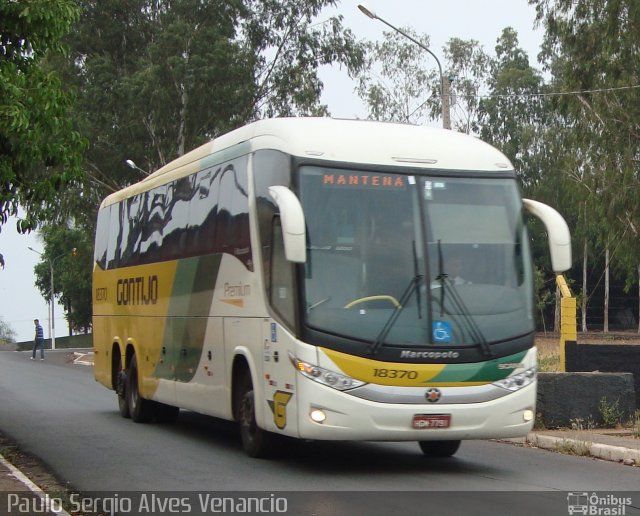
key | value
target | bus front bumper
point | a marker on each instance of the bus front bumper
(347, 417)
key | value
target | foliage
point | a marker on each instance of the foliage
(510, 118)
(549, 363)
(544, 295)
(468, 66)
(70, 252)
(401, 80)
(591, 47)
(40, 153)
(611, 412)
(7, 333)
(398, 79)
(186, 71)
(289, 48)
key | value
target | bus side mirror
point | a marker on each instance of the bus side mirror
(293, 224)
(558, 231)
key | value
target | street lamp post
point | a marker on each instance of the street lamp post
(444, 81)
(52, 301)
(131, 164)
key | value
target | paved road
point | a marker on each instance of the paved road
(56, 410)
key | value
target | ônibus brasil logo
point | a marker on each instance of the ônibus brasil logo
(596, 504)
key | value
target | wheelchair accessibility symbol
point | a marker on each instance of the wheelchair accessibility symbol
(441, 331)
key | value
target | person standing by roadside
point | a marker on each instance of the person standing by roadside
(38, 340)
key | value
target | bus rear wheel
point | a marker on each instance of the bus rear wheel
(141, 410)
(439, 448)
(121, 391)
(256, 442)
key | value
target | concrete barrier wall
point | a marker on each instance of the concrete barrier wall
(605, 358)
(568, 398)
(74, 341)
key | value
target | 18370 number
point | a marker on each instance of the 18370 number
(395, 373)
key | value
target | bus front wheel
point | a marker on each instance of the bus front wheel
(256, 442)
(439, 448)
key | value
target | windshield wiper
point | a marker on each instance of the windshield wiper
(441, 277)
(376, 344)
(413, 285)
(416, 275)
(468, 322)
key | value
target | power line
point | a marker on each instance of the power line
(551, 94)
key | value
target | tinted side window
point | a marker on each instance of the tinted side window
(102, 237)
(232, 235)
(115, 237)
(201, 214)
(130, 231)
(176, 217)
(152, 223)
(282, 293)
(269, 168)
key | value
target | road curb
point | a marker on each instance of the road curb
(19, 476)
(627, 456)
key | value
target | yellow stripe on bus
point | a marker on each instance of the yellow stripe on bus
(385, 373)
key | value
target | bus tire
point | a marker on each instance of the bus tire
(439, 449)
(141, 410)
(256, 442)
(121, 391)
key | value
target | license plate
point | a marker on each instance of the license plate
(421, 421)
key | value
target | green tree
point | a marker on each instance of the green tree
(7, 333)
(592, 49)
(468, 66)
(40, 153)
(160, 77)
(514, 117)
(400, 79)
(289, 48)
(70, 251)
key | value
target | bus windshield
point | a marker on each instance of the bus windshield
(396, 259)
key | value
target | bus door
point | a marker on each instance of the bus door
(279, 378)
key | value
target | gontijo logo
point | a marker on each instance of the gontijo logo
(139, 290)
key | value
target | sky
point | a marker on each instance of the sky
(482, 20)
(20, 300)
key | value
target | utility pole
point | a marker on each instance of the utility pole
(446, 102)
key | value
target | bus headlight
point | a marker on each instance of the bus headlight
(518, 381)
(332, 379)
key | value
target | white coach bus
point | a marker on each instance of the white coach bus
(325, 279)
